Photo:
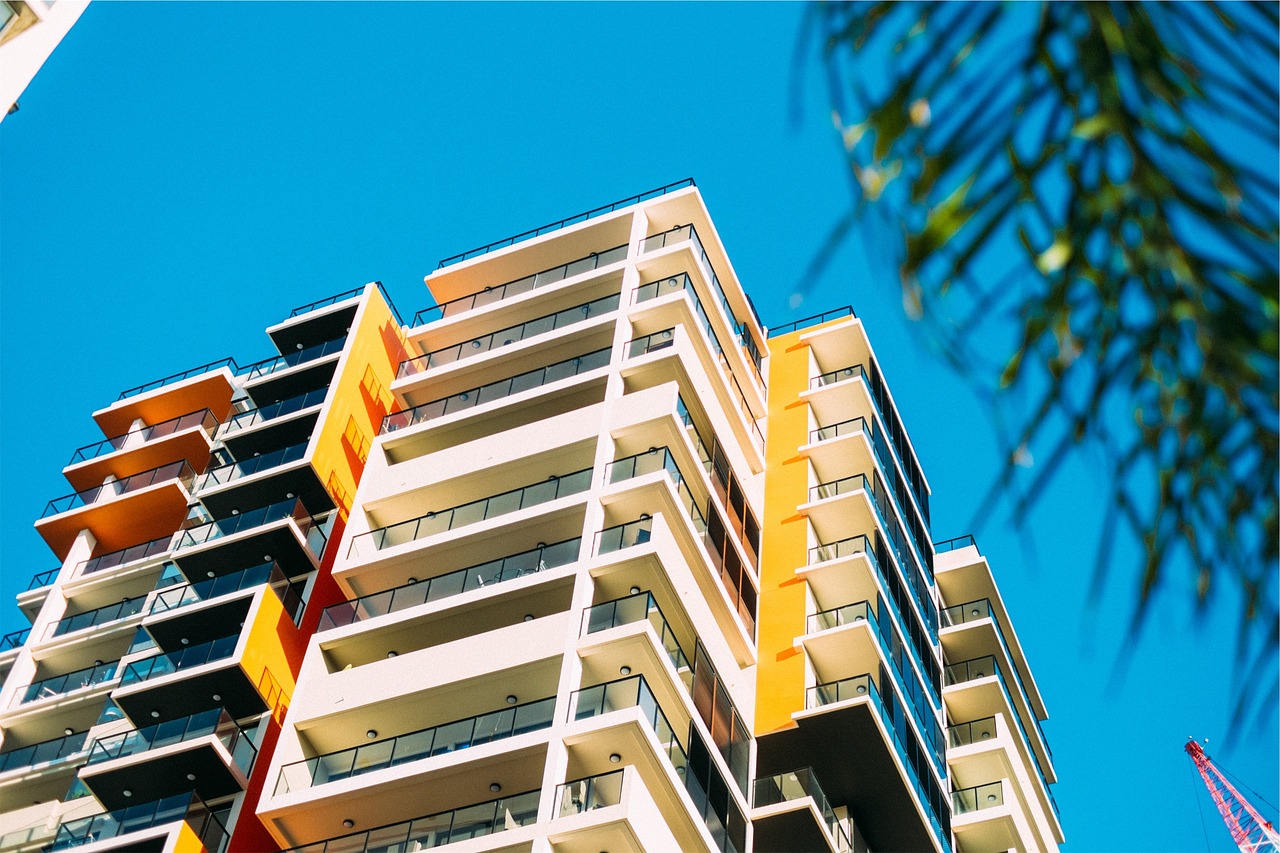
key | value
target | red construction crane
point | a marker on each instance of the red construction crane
(1251, 832)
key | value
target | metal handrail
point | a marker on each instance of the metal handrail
(131, 554)
(442, 739)
(201, 417)
(510, 335)
(567, 221)
(501, 389)
(223, 474)
(417, 592)
(177, 377)
(181, 471)
(812, 320)
(271, 364)
(474, 511)
(515, 287)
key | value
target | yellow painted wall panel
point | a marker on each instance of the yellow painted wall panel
(780, 685)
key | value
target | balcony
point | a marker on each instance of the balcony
(972, 673)
(664, 339)
(180, 471)
(98, 616)
(830, 455)
(210, 588)
(491, 295)
(436, 830)
(968, 800)
(792, 829)
(232, 471)
(188, 658)
(366, 545)
(147, 504)
(861, 546)
(126, 556)
(740, 330)
(503, 388)
(830, 407)
(280, 409)
(186, 437)
(639, 607)
(854, 712)
(208, 745)
(59, 685)
(588, 794)
(268, 366)
(417, 746)
(726, 556)
(284, 530)
(48, 751)
(136, 820)
(419, 592)
(508, 336)
(566, 222)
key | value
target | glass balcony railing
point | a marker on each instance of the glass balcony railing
(291, 359)
(798, 784)
(215, 587)
(626, 535)
(42, 579)
(99, 616)
(180, 471)
(631, 692)
(974, 799)
(250, 417)
(39, 753)
(417, 746)
(264, 462)
(209, 530)
(812, 320)
(976, 731)
(640, 607)
(966, 541)
(177, 377)
(472, 397)
(548, 490)
(566, 222)
(490, 295)
(584, 795)
(132, 554)
(646, 344)
(56, 685)
(188, 658)
(328, 300)
(215, 721)
(203, 418)
(454, 583)
(14, 639)
(181, 807)
(971, 670)
(508, 336)
(436, 830)
(740, 330)
(864, 685)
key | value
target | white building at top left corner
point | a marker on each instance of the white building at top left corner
(29, 32)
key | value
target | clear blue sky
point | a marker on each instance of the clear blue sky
(181, 175)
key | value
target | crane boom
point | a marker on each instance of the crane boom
(1249, 830)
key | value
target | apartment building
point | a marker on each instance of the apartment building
(582, 557)
(29, 32)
